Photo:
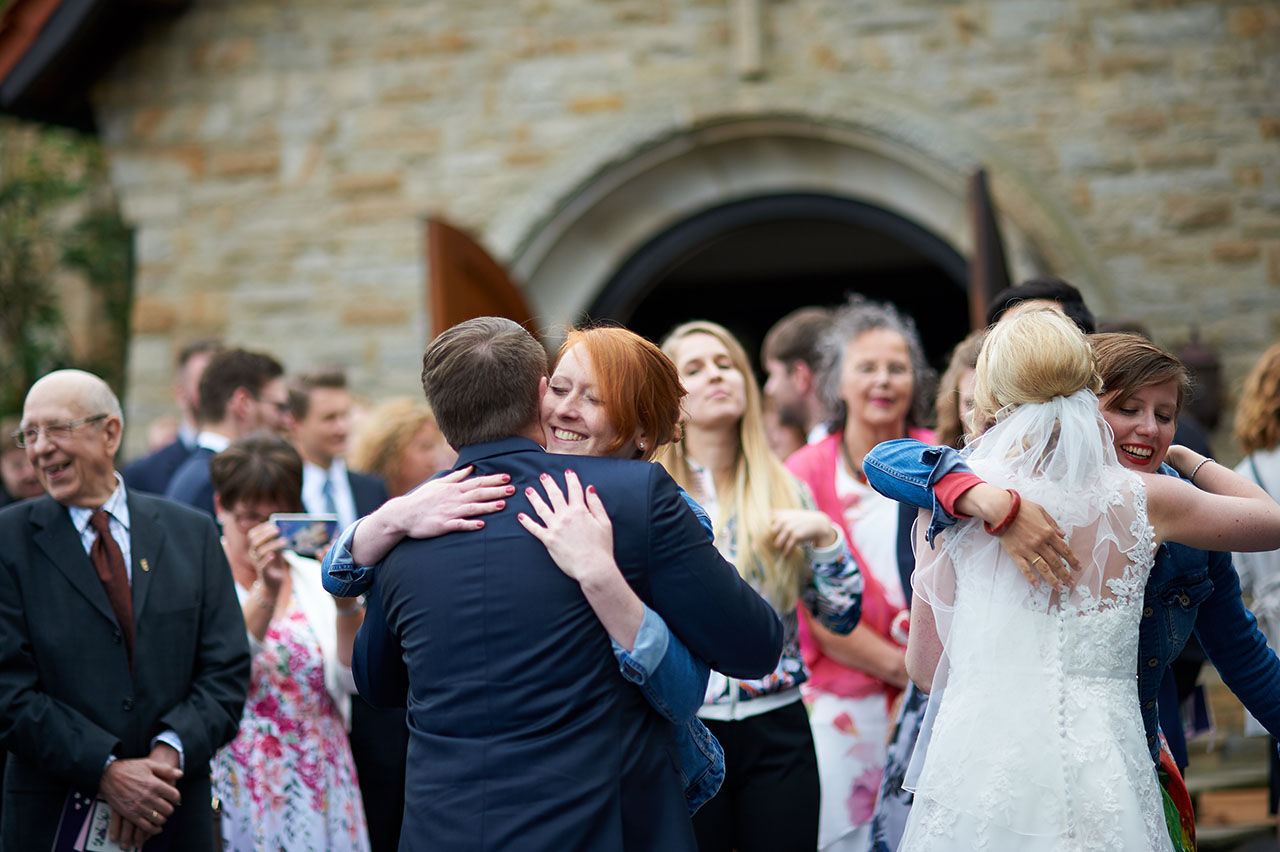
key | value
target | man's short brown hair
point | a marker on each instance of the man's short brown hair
(481, 379)
(796, 337)
(228, 370)
(301, 386)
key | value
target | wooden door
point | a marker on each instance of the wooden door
(464, 282)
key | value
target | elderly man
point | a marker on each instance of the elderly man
(123, 657)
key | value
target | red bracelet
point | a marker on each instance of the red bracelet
(1000, 528)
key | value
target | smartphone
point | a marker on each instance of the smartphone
(306, 534)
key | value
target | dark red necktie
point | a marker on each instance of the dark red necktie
(108, 561)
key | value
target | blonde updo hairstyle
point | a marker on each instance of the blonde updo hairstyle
(1032, 355)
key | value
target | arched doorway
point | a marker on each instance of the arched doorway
(747, 263)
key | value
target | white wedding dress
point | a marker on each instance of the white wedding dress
(1033, 739)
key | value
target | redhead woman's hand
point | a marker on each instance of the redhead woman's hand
(453, 503)
(791, 527)
(265, 549)
(578, 533)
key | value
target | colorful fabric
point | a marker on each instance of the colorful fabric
(287, 782)
(1178, 815)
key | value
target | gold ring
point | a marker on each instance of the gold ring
(155, 816)
(1037, 559)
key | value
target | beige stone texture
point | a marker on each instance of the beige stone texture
(278, 159)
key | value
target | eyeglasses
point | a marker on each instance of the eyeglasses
(54, 431)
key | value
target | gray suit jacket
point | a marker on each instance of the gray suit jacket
(67, 695)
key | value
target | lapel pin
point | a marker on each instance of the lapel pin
(145, 566)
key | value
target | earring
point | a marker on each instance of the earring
(642, 446)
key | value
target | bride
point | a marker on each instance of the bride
(1033, 736)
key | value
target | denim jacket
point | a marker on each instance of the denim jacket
(1188, 589)
(671, 679)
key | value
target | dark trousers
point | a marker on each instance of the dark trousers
(769, 800)
(380, 745)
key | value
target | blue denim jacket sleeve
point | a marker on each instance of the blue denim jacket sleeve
(339, 574)
(1231, 638)
(670, 678)
(906, 470)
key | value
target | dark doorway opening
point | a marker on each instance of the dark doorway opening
(747, 264)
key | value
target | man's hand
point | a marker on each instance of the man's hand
(443, 505)
(142, 794)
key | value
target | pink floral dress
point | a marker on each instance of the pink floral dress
(287, 782)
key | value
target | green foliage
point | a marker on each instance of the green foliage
(56, 215)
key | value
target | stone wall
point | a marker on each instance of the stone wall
(278, 158)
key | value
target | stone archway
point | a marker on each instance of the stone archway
(567, 257)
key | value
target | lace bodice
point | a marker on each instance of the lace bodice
(1033, 739)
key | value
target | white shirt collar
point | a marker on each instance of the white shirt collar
(117, 506)
(213, 441)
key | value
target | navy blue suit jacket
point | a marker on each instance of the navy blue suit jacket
(523, 733)
(68, 696)
(368, 492)
(152, 472)
(191, 483)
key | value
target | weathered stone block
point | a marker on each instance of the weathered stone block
(1236, 251)
(1194, 212)
(153, 315)
(244, 163)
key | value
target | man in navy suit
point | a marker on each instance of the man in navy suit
(152, 472)
(523, 733)
(240, 392)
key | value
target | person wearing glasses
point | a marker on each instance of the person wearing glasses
(123, 658)
(287, 782)
(240, 392)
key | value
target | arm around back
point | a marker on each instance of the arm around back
(718, 616)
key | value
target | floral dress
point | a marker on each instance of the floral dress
(287, 782)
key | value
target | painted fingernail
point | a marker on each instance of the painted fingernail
(511, 489)
(522, 516)
(502, 504)
(529, 491)
(506, 478)
(591, 488)
(545, 476)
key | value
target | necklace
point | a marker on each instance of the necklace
(854, 469)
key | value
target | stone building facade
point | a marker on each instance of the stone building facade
(278, 158)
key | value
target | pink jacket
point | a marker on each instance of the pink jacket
(815, 464)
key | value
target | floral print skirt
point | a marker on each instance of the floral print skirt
(850, 736)
(287, 782)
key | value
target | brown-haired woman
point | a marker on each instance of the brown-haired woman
(955, 393)
(287, 781)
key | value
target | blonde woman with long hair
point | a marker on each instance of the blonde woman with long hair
(765, 523)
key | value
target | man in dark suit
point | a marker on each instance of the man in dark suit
(123, 658)
(319, 425)
(523, 733)
(240, 392)
(152, 472)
